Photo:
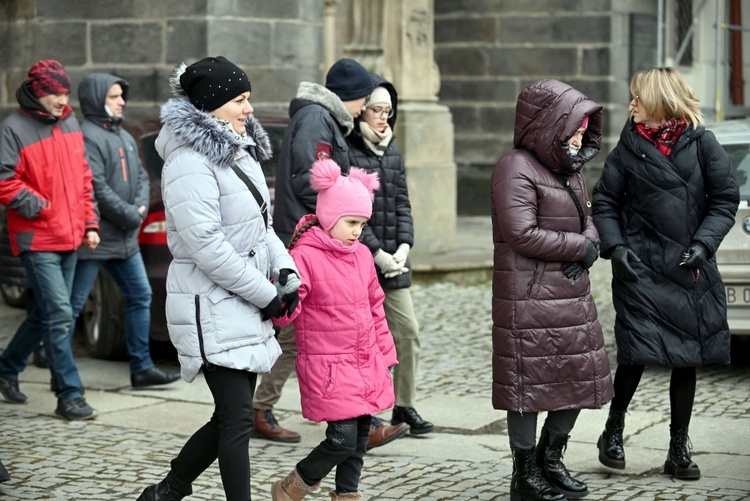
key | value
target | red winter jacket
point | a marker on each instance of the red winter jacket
(45, 180)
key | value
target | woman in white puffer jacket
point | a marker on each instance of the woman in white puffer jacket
(219, 296)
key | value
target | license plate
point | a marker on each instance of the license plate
(738, 294)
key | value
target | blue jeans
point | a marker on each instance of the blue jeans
(130, 276)
(51, 277)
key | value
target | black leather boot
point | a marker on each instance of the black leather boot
(160, 492)
(410, 416)
(611, 451)
(527, 483)
(678, 463)
(549, 458)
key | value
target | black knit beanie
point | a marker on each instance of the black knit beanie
(349, 80)
(213, 81)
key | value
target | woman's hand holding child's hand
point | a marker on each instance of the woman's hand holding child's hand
(287, 282)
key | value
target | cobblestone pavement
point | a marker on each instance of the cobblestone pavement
(467, 458)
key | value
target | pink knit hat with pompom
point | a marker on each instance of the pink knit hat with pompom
(340, 195)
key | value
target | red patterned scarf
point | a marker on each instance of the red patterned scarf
(663, 136)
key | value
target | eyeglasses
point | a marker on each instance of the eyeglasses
(381, 112)
(635, 99)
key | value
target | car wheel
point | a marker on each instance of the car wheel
(14, 295)
(102, 320)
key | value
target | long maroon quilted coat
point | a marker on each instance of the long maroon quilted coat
(547, 344)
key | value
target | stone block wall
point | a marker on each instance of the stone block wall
(277, 43)
(488, 50)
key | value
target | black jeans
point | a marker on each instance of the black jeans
(344, 448)
(226, 436)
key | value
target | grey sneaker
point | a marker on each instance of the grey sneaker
(11, 393)
(75, 409)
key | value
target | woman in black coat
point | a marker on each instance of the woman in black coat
(664, 203)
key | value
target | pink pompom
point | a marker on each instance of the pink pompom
(370, 181)
(324, 174)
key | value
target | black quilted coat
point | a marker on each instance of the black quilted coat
(391, 223)
(658, 206)
(547, 345)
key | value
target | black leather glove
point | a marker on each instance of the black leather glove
(573, 270)
(592, 252)
(290, 302)
(272, 309)
(621, 258)
(694, 257)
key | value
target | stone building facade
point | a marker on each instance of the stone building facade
(488, 50)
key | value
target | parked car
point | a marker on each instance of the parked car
(733, 255)
(102, 319)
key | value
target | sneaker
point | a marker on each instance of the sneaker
(75, 409)
(11, 393)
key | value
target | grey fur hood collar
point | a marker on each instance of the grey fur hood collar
(200, 131)
(309, 92)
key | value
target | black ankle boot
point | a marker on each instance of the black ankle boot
(678, 463)
(160, 492)
(410, 416)
(527, 483)
(549, 459)
(611, 451)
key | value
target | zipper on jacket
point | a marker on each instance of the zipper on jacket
(533, 278)
(123, 164)
(209, 366)
(519, 361)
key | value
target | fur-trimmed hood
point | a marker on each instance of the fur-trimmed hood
(186, 125)
(313, 93)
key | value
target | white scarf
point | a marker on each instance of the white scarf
(377, 141)
(228, 129)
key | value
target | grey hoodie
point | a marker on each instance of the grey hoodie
(121, 184)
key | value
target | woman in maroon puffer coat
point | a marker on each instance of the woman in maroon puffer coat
(548, 347)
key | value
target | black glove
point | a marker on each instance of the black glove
(592, 252)
(290, 301)
(573, 270)
(284, 274)
(694, 257)
(272, 309)
(620, 263)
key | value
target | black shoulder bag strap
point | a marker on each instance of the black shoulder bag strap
(581, 215)
(258, 197)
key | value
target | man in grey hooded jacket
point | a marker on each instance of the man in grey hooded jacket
(121, 188)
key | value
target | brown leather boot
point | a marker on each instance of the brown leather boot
(268, 428)
(291, 488)
(381, 433)
(353, 496)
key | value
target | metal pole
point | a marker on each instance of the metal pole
(660, 34)
(719, 77)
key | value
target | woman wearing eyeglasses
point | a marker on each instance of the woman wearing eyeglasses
(664, 203)
(389, 234)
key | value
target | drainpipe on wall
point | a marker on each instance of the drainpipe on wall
(736, 82)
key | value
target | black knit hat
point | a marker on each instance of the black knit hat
(213, 81)
(348, 80)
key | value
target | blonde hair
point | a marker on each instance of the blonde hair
(663, 94)
(299, 231)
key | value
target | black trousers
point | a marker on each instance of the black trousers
(225, 437)
(681, 391)
(344, 448)
(522, 427)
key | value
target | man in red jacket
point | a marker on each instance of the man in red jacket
(45, 185)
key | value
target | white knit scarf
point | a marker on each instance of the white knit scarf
(377, 141)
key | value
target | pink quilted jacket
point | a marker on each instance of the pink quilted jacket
(345, 346)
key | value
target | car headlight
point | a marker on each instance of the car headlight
(746, 225)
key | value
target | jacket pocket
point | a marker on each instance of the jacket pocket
(329, 383)
(233, 318)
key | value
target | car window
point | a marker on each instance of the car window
(739, 156)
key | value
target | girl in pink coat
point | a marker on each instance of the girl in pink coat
(345, 348)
